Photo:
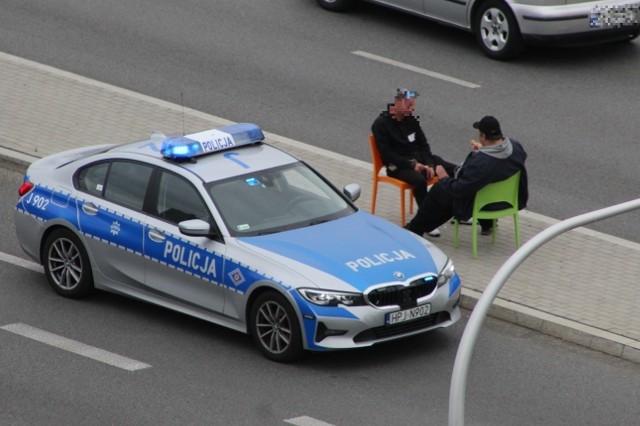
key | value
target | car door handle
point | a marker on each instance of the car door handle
(90, 209)
(156, 236)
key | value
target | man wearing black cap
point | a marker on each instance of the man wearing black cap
(492, 158)
(403, 146)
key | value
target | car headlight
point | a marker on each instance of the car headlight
(331, 298)
(446, 274)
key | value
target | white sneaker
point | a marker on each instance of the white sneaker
(435, 233)
(463, 222)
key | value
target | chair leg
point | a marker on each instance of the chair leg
(456, 238)
(474, 237)
(374, 195)
(516, 223)
(402, 213)
(493, 231)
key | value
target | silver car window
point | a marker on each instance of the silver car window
(91, 179)
(178, 200)
(127, 183)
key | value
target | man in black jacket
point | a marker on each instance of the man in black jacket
(493, 158)
(403, 147)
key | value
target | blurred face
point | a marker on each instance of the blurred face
(402, 108)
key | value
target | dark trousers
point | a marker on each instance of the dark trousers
(435, 210)
(414, 178)
(418, 180)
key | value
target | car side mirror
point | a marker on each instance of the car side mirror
(352, 191)
(195, 228)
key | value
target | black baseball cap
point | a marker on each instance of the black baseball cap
(489, 126)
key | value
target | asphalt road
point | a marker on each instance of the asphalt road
(203, 374)
(290, 66)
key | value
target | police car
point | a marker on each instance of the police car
(224, 227)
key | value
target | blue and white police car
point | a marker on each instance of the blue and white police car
(224, 227)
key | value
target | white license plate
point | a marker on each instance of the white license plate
(408, 314)
(604, 16)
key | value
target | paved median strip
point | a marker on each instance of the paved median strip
(75, 347)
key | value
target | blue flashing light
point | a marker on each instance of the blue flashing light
(220, 139)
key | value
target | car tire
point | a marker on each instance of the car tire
(275, 328)
(336, 5)
(497, 31)
(67, 265)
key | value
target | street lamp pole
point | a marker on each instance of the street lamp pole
(472, 329)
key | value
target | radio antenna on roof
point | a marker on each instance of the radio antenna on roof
(182, 103)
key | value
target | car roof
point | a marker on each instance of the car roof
(213, 166)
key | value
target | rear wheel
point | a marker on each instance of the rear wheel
(497, 31)
(66, 264)
(275, 329)
(336, 5)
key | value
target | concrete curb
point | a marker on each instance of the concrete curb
(562, 328)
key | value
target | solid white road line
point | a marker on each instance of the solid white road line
(416, 69)
(307, 421)
(75, 347)
(14, 260)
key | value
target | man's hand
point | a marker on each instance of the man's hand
(425, 170)
(475, 145)
(441, 172)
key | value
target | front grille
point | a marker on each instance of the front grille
(402, 328)
(405, 296)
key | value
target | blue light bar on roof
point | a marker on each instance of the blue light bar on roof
(219, 139)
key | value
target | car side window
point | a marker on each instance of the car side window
(91, 179)
(178, 200)
(127, 183)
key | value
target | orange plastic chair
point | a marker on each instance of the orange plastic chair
(377, 178)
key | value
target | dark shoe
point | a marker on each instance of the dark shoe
(409, 228)
(486, 231)
(463, 222)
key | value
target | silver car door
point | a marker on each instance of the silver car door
(184, 268)
(450, 11)
(109, 216)
(409, 5)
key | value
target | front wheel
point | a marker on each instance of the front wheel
(336, 5)
(66, 264)
(497, 31)
(275, 329)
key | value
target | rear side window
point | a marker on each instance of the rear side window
(127, 183)
(92, 179)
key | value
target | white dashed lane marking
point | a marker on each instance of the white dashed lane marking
(75, 347)
(415, 69)
(307, 421)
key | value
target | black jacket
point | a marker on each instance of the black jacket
(399, 142)
(480, 169)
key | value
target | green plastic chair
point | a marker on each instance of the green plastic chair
(505, 191)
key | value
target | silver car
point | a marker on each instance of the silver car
(226, 228)
(503, 27)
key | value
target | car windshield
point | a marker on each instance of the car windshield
(277, 199)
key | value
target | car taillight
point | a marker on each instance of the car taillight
(25, 188)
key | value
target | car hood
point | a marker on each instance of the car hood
(362, 250)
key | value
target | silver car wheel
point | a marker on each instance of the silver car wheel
(65, 264)
(494, 29)
(274, 327)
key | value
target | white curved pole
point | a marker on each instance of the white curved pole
(472, 329)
